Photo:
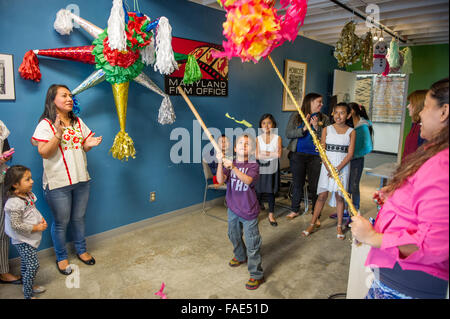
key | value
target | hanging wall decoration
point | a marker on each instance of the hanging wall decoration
(120, 52)
(367, 52)
(393, 55)
(213, 72)
(348, 47)
(407, 63)
(380, 64)
(401, 60)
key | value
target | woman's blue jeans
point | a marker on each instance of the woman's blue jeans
(68, 204)
(251, 252)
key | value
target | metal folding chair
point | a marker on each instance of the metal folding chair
(209, 177)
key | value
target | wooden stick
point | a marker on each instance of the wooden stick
(322, 152)
(191, 106)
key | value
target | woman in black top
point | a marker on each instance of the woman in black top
(303, 156)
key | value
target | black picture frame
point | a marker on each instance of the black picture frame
(7, 85)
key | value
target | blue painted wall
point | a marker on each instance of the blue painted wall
(120, 190)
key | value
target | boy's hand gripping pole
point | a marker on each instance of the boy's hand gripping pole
(191, 106)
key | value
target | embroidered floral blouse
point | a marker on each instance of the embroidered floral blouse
(68, 165)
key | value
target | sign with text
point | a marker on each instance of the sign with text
(214, 80)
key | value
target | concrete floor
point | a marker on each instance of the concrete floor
(190, 254)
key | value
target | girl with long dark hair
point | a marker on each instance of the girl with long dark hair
(363, 146)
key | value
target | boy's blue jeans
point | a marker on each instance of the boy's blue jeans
(68, 204)
(251, 249)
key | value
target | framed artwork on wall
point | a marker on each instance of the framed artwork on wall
(295, 77)
(7, 90)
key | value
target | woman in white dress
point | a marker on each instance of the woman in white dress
(339, 141)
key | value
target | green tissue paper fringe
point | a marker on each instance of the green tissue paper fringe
(394, 57)
(192, 72)
(407, 64)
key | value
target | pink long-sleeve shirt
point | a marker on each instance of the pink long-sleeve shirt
(417, 213)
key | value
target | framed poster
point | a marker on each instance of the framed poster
(388, 98)
(7, 90)
(295, 77)
(214, 81)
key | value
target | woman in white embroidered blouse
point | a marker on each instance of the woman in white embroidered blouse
(63, 139)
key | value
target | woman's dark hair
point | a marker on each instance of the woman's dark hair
(360, 111)
(306, 106)
(13, 176)
(50, 107)
(347, 107)
(413, 161)
(270, 117)
(343, 104)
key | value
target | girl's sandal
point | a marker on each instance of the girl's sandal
(340, 236)
(307, 233)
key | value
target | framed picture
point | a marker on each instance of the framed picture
(7, 90)
(295, 77)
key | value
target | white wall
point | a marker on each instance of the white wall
(386, 137)
(344, 85)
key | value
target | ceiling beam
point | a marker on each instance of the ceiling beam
(419, 20)
(426, 30)
(431, 35)
(414, 41)
(431, 41)
(362, 30)
(404, 27)
(405, 13)
(390, 22)
(332, 8)
(394, 8)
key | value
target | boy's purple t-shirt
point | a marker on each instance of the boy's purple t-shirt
(241, 198)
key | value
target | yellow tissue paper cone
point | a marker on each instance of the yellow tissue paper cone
(120, 91)
(123, 146)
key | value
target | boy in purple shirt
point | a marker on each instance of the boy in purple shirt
(243, 207)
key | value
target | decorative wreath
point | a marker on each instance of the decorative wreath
(348, 47)
(367, 52)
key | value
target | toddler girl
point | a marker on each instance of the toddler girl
(24, 224)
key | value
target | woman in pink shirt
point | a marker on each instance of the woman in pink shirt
(410, 238)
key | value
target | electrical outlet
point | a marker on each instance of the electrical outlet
(152, 196)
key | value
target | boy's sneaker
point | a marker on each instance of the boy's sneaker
(253, 283)
(235, 263)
